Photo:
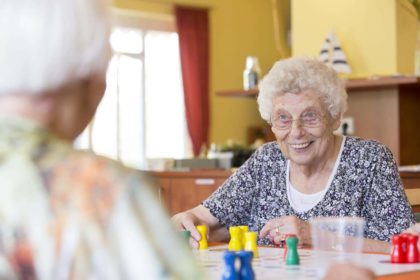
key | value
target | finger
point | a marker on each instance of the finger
(189, 225)
(193, 243)
(265, 230)
(176, 223)
(272, 224)
(274, 232)
(279, 239)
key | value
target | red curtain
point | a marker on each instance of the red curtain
(193, 32)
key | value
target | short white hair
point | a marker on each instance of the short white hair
(45, 44)
(295, 75)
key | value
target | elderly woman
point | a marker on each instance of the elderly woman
(67, 214)
(309, 171)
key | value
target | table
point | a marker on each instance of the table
(270, 264)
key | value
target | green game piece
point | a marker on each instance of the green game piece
(292, 257)
(186, 235)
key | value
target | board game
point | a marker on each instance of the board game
(270, 263)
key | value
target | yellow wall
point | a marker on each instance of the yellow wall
(406, 36)
(237, 28)
(377, 36)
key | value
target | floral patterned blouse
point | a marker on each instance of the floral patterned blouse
(67, 214)
(366, 184)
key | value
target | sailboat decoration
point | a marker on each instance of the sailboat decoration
(332, 54)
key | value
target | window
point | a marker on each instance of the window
(142, 114)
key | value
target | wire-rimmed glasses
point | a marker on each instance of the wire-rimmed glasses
(284, 121)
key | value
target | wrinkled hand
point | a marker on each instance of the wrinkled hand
(348, 272)
(414, 229)
(188, 221)
(276, 230)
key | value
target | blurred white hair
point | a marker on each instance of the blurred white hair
(47, 43)
(294, 75)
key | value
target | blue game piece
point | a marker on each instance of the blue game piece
(246, 272)
(230, 272)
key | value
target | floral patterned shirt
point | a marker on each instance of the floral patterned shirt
(366, 184)
(67, 214)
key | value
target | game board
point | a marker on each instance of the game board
(270, 264)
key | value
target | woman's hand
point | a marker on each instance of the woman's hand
(414, 229)
(188, 221)
(200, 215)
(276, 230)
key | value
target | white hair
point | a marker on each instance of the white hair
(295, 75)
(47, 43)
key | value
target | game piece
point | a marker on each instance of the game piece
(244, 229)
(186, 234)
(235, 243)
(397, 253)
(230, 272)
(246, 272)
(251, 243)
(292, 257)
(404, 237)
(203, 245)
(285, 245)
(412, 251)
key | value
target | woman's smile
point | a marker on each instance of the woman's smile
(300, 146)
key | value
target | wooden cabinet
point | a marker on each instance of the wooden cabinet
(388, 112)
(180, 191)
(411, 182)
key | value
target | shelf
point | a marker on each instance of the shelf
(351, 84)
(239, 93)
(380, 82)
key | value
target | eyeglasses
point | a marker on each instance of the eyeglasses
(308, 120)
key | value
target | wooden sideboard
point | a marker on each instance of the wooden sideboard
(411, 182)
(180, 191)
(387, 110)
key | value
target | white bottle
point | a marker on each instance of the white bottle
(212, 153)
(252, 73)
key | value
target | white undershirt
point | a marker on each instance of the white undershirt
(302, 202)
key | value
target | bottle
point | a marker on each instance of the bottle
(203, 151)
(212, 152)
(252, 73)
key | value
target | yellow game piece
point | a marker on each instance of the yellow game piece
(202, 244)
(244, 229)
(235, 243)
(251, 243)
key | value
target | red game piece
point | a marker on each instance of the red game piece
(398, 254)
(412, 253)
(404, 241)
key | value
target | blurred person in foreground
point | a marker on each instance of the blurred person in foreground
(347, 271)
(310, 171)
(67, 214)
